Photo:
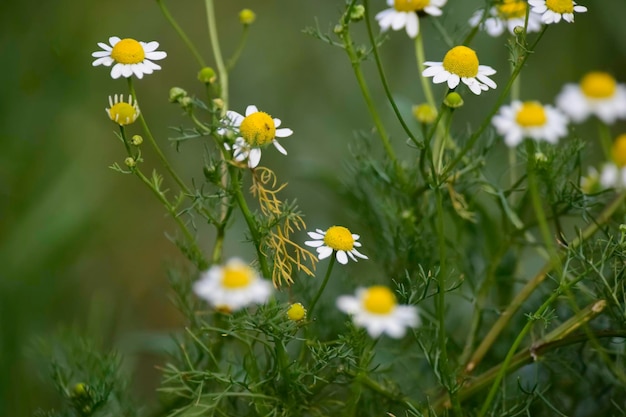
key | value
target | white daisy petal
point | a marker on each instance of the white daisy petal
(342, 258)
(324, 252)
(251, 109)
(284, 132)
(279, 147)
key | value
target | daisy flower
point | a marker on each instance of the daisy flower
(336, 239)
(129, 56)
(529, 119)
(254, 130)
(552, 11)
(122, 112)
(404, 14)
(461, 64)
(598, 93)
(376, 309)
(613, 174)
(506, 15)
(232, 286)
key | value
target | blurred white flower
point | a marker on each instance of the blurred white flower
(529, 119)
(403, 14)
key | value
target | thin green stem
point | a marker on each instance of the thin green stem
(421, 58)
(605, 139)
(323, 286)
(383, 78)
(242, 43)
(222, 71)
(181, 33)
(155, 146)
(531, 285)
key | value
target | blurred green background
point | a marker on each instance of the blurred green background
(82, 245)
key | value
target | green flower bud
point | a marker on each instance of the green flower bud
(130, 162)
(136, 140)
(425, 113)
(186, 102)
(176, 94)
(80, 390)
(247, 17)
(453, 100)
(207, 75)
(518, 30)
(357, 13)
(338, 29)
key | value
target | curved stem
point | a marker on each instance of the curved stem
(421, 58)
(217, 53)
(181, 33)
(323, 286)
(242, 42)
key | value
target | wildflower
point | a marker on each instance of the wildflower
(404, 14)
(461, 64)
(529, 119)
(613, 174)
(506, 15)
(336, 239)
(296, 312)
(376, 309)
(122, 112)
(552, 11)
(130, 57)
(232, 286)
(598, 93)
(255, 130)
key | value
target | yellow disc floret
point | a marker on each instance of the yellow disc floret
(618, 152)
(510, 9)
(296, 312)
(237, 276)
(598, 85)
(379, 300)
(531, 114)
(410, 5)
(258, 129)
(461, 61)
(339, 238)
(128, 51)
(560, 6)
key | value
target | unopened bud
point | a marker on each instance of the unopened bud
(136, 140)
(247, 17)
(176, 93)
(357, 13)
(453, 100)
(130, 162)
(207, 75)
(425, 113)
(518, 30)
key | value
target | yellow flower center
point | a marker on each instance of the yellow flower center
(618, 152)
(379, 300)
(339, 238)
(461, 61)
(123, 113)
(510, 9)
(410, 5)
(598, 85)
(237, 276)
(531, 114)
(296, 312)
(258, 129)
(128, 51)
(560, 6)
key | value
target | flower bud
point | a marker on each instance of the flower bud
(130, 162)
(296, 312)
(247, 17)
(136, 140)
(453, 100)
(176, 94)
(207, 75)
(357, 12)
(338, 29)
(425, 113)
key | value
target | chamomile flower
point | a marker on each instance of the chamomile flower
(336, 239)
(255, 130)
(122, 112)
(404, 14)
(232, 286)
(129, 56)
(461, 64)
(529, 119)
(376, 309)
(613, 174)
(598, 93)
(506, 15)
(552, 11)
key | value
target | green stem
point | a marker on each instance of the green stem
(605, 139)
(217, 53)
(242, 42)
(383, 78)
(323, 286)
(155, 146)
(421, 58)
(531, 285)
(181, 33)
(355, 60)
